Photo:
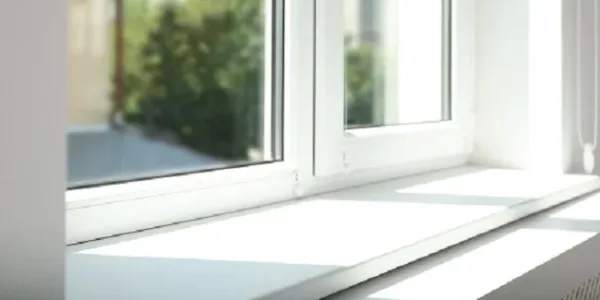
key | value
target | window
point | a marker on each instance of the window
(182, 109)
(161, 87)
(397, 62)
(175, 109)
(390, 99)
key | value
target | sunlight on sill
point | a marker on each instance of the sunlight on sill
(588, 210)
(497, 183)
(337, 229)
(318, 232)
(476, 273)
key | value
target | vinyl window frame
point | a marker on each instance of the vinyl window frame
(319, 155)
(344, 151)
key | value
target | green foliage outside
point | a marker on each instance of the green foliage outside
(194, 69)
(360, 86)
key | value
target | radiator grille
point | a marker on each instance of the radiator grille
(589, 290)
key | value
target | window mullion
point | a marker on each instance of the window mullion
(329, 87)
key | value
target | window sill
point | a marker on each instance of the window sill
(315, 247)
(478, 269)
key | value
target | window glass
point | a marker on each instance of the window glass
(164, 87)
(397, 62)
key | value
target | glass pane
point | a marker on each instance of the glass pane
(164, 87)
(397, 62)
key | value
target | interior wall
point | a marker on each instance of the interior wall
(569, 84)
(32, 165)
(524, 103)
(502, 84)
(587, 88)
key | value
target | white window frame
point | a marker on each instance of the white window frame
(114, 209)
(340, 151)
(314, 142)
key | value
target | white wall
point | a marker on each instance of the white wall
(569, 85)
(32, 164)
(502, 83)
(523, 106)
(587, 71)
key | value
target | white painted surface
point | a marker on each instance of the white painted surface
(587, 72)
(546, 80)
(330, 80)
(33, 94)
(252, 255)
(476, 268)
(569, 86)
(501, 124)
(524, 86)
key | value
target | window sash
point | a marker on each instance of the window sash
(342, 151)
(146, 203)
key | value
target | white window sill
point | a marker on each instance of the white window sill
(311, 248)
(484, 264)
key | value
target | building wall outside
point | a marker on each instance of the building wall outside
(88, 62)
